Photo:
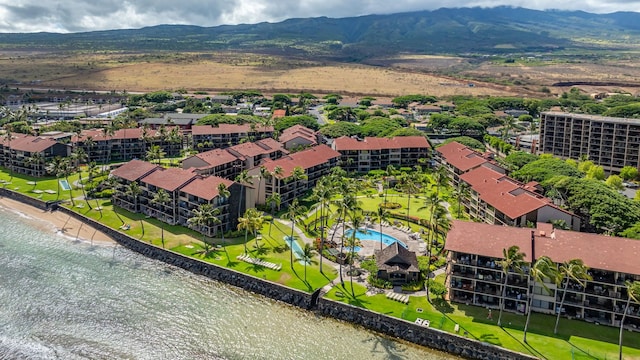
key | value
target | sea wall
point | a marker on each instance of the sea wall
(428, 337)
(247, 282)
(398, 328)
(24, 199)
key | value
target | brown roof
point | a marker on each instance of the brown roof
(169, 179)
(298, 131)
(597, 251)
(504, 193)
(206, 188)
(396, 258)
(217, 157)
(227, 129)
(305, 159)
(279, 113)
(374, 143)
(32, 144)
(253, 149)
(460, 156)
(98, 134)
(134, 170)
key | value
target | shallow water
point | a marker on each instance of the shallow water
(66, 299)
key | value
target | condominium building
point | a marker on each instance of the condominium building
(610, 142)
(315, 162)
(126, 144)
(186, 191)
(457, 159)
(26, 154)
(207, 137)
(377, 153)
(474, 275)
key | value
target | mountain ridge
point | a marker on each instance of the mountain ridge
(443, 31)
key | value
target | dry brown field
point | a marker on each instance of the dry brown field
(226, 71)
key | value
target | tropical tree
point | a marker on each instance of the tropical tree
(155, 153)
(274, 201)
(78, 156)
(244, 223)
(296, 175)
(89, 143)
(348, 204)
(8, 136)
(202, 217)
(410, 186)
(223, 193)
(461, 193)
(36, 160)
(542, 268)
(325, 195)
(512, 260)
(307, 257)
(294, 213)
(58, 167)
(356, 223)
(264, 174)
(161, 198)
(572, 270)
(391, 170)
(382, 215)
(133, 191)
(633, 294)
(243, 179)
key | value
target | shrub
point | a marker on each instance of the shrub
(413, 286)
(379, 283)
(107, 193)
(437, 289)
(390, 205)
(370, 265)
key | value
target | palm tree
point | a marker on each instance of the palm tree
(356, 223)
(574, 270)
(382, 215)
(274, 201)
(156, 153)
(78, 156)
(633, 294)
(58, 167)
(307, 257)
(264, 174)
(36, 160)
(224, 194)
(461, 193)
(108, 132)
(542, 268)
(89, 143)
(247, 223)
(161, 198)
(243, 179)
(325, 194)
(294, 213)
(134, 190)
(391, 170)
(296, 175)
(440, 179)
(512, 259)
(348, 203)
(202, 218)
(8, 136)
(410, 187)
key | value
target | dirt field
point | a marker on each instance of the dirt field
(215, 72)
(219, 72)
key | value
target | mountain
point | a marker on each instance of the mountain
(442, 31)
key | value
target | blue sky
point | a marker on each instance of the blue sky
(88, 15)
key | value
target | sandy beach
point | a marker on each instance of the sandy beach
(57, 222)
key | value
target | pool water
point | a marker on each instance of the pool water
(297, 250)
(64, 184)
(372, 235)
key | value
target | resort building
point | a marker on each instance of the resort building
(458, 159)
(182, 120)
(314, 162)
(397, 264)
(610, 142)
(298, 136)
(378, 153)
(26, 154)
(495, 198)
(207, 137)
(475, 277)
(498, 199)
(127, 144)
(229, 162)
(186, 189)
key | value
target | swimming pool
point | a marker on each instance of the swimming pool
(372, 235)
(297, 250)
(64, 184)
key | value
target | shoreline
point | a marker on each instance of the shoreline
(57, 222)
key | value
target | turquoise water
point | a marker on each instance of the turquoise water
(67, 299)
(64, 184)
(372, 235)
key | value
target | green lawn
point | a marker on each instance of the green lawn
(580, 339)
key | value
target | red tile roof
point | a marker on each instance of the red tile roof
(597, 251)
(305, 159)
(460, 156)
(134, 170)
(32, 144)
(373, 143)
(217, 157)
(504, 193)
(227, 129)
(206, 188)
(253, 149)
(169, 179)
(298, 131)
(279, 113)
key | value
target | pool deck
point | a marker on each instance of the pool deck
(368, 247)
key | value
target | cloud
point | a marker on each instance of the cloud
(88, 15)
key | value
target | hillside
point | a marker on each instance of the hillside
(444, 31)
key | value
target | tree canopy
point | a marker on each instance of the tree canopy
(544, 169)
(289, 121)
(466, 141)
